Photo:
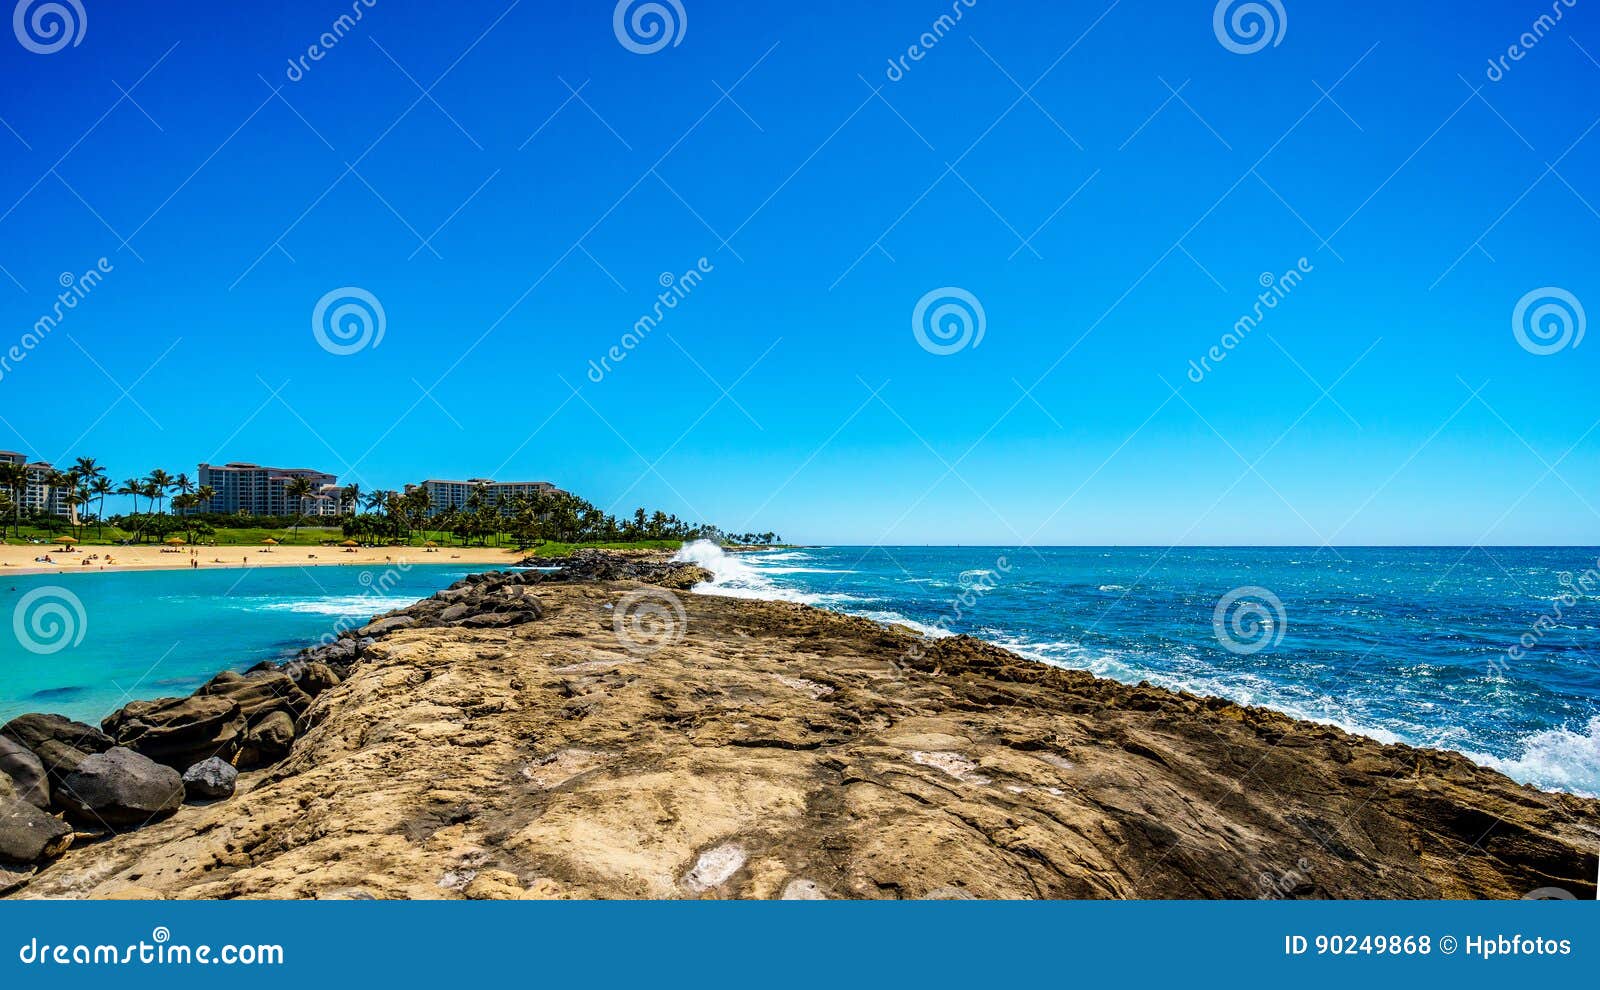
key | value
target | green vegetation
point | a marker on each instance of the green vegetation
(174, 506)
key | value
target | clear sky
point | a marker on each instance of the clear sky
(1108, 180)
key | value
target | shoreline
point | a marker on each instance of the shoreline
(771, 749)
(19, 560)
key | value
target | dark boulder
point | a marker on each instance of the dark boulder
(59, 743)
(179, 732)
(269, 741)
(23, 773)
(120, 789)
(210, 780)
(29, 834)
(498, 620)
(259, 694)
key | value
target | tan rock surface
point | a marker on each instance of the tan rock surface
(780, 751)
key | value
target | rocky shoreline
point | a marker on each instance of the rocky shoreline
(599, 731)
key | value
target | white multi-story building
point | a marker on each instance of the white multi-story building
(38, 495)
(446, 495)
(255, 490)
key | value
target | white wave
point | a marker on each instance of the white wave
(732, 576)
(896, 619)
(1559, 759)
(764, 555)
(339, 605)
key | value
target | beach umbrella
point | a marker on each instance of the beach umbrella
(349, 543)
(176, 541)
(66, 541)
(269, 541)
(430, 543)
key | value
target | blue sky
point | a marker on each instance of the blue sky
(1109, 180)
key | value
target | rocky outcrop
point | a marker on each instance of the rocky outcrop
(313, 678)
(120, 789)
(269, 741)
(210, 780)
(22, 774)
(598, 565)
(259, 693)
(179, 732)
(771, 750)
(60, 744)
(30, 835)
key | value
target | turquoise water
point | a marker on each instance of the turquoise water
(1492, 652)
(100, 640)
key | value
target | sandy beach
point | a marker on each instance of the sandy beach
(87, 559)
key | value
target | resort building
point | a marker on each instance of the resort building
(446, 495)
(251, 489)
(38, 495)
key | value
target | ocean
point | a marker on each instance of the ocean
(1490, 652)
(83, 645)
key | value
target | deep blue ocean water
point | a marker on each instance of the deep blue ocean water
(100, 640)
(1492, 652)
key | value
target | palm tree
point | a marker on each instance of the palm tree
(203, 496)
(132, 487)
(79, 498)
(161, 481)
(101, 487)
(15, 479)
(350, 498)
(183, 486)
(299, 489)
